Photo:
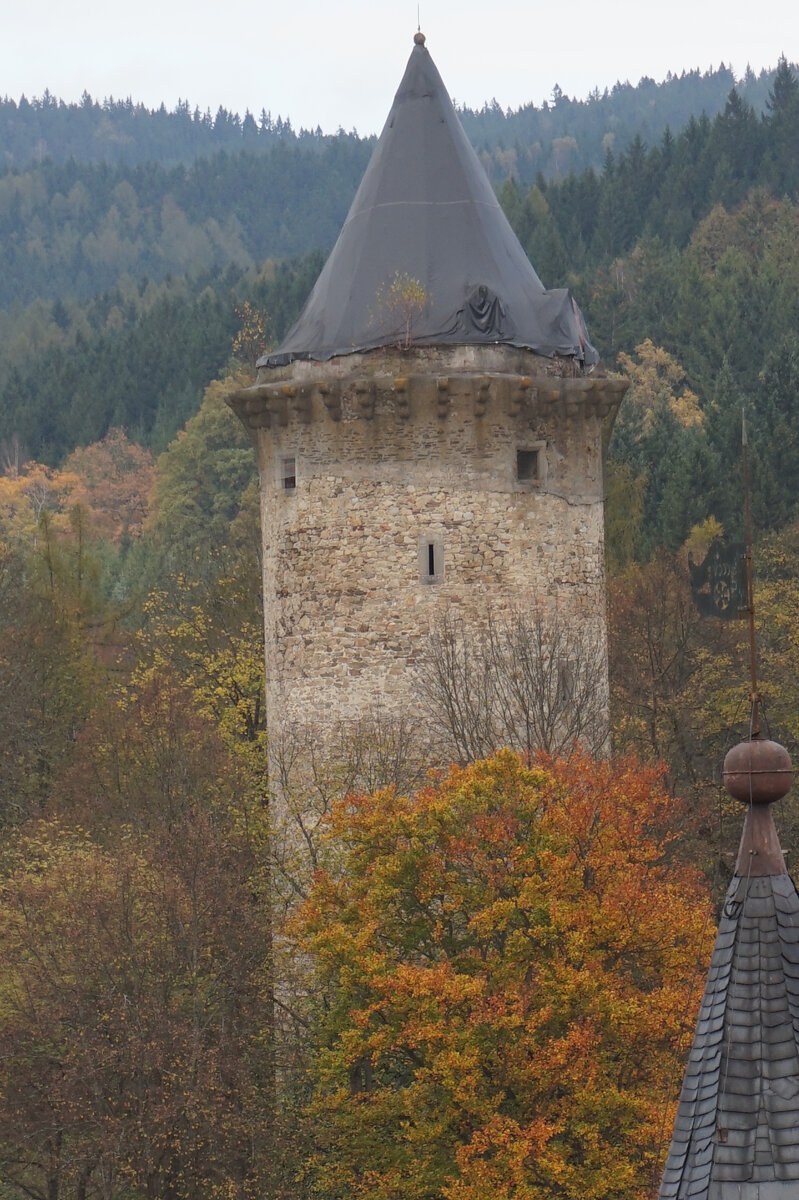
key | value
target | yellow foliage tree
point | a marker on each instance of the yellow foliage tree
(402, 302)
(28, 494)
(657, 379)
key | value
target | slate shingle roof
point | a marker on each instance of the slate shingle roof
(736, 1135)
(426, 211)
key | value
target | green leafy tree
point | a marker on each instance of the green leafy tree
(200, 483)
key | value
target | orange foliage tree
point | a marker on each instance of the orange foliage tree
(111, 480)
(505, 965)
(114, 480)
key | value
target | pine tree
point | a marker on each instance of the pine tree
(782, 125)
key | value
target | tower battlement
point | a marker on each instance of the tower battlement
(366, 384)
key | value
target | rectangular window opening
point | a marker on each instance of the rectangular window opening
(289, 473)
(431, 559)
(528, 466)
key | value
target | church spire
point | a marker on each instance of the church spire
(736, 1135)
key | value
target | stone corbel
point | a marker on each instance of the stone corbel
(522, 393)
(444, 397)
(365, 391)
(331, 398)
(402, 398)
(301, 404)
(482, 396)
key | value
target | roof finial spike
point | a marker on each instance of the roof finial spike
(754, 695)
(418, 37)
(757, 771)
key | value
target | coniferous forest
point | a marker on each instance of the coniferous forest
(459, 986)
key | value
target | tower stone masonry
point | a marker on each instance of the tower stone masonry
(430, 435)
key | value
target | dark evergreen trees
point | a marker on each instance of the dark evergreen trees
(782, 122)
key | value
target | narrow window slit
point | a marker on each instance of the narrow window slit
(431, 559)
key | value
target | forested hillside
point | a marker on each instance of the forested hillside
(467, 986)
(120, 286)
(559, 136)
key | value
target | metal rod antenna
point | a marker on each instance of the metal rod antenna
(754, 698)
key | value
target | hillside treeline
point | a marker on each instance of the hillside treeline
(136, 357)
(560, 136)
(564, 136)
(74, 229)
(70, 225)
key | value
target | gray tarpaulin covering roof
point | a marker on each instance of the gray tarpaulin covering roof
(425, 213)
(736, 1136)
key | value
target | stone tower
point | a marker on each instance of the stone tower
(430, 434)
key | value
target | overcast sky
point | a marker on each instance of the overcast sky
(328, 64)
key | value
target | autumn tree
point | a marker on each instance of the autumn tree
(59, 615)
(113, 480)
(211, 636)
(133, 766)
(252, 339)
(504, 962)
(129, 1015)
(135, 1018)
(716, 701)
(399, 304)
(50, 628)
(658, 435)
(28, 494)
(664, 659)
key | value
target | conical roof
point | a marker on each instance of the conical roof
(736, 1136)
(426, 253)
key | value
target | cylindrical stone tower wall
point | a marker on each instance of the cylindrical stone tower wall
(398, 487)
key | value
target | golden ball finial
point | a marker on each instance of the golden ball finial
(418, 38)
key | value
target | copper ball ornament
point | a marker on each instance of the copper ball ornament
(758, 771)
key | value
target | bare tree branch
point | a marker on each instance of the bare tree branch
(530, 680)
